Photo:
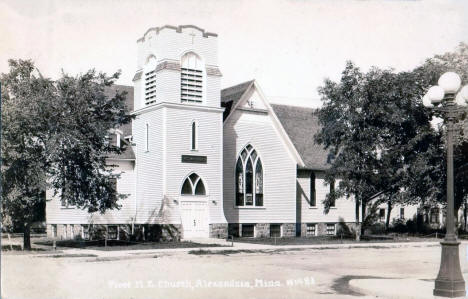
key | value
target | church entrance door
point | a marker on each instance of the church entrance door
(194, 214)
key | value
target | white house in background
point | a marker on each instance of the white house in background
(206, 162)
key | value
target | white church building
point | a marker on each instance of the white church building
(204, 162)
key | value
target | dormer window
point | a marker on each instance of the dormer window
(150, 81)
(191, 79)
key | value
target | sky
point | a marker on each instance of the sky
(288, 46)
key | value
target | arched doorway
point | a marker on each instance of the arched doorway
(194, 207)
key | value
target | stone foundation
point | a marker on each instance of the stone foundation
(141, 232)
(289, 230)
(219, 230)
(262, 230)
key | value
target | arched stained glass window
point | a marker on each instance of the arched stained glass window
(239, 183)
(249, 178)
(193, 185)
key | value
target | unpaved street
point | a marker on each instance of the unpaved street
(323, 273)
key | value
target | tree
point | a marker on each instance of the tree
(372, 123)
(380, 138)
(54, 136)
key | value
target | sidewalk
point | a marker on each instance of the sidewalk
(396, 288)
(238, 246)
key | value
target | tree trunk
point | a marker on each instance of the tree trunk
(358, 225)
(464, 216)
(389, 210)
(27, 236)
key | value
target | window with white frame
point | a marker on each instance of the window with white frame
(331, 229)
(150, 80)
(402, 213)
(312, 199)
(54, 230)
(194, 136)
(275, 230)
(249, 178)
(382, 214)
(191, 88)
(193, 185)
(72, 231)
(248, 230)
(311, 229)
(85, 232)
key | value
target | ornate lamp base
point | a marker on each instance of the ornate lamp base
(449, 282)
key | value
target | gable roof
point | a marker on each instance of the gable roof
(126, 129)
(301, 124)
(230, 96)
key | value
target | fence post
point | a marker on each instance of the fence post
(105, 240)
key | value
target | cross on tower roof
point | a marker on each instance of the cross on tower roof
(192, 34)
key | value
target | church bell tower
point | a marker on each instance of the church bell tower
(178, 131)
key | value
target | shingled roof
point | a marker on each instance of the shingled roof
(110, 91)
(301, 124)
(231, 95)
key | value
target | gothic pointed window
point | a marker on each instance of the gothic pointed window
(239, 183)
(259, 184)
(249, 178)
(193, 185)
(191, 89)
(150, 80)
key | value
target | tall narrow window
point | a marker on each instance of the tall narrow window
(249, 178)
(147, 137)
(150, 80)
(239, 183)
(194, 135)
(312, 190)
(332, 191)
(193, 185)
(191, 79)
(259, 184)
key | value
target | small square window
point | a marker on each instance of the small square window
(247, 230)
(311, 229)
(331, 229)
(275, 230)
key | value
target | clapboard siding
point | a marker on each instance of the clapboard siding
(279, 168)
(209, 128)
(149, 167)
(344, 207)
(409, 212)
(56, 214)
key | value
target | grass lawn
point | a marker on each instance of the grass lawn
(115, 245)
(330, 240)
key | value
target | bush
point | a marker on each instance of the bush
(399, 226)
(376, 228)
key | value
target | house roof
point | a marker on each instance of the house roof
(230, 96)
(301, 124)
(127, 128)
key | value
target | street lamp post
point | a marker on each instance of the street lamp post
(449, 281)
